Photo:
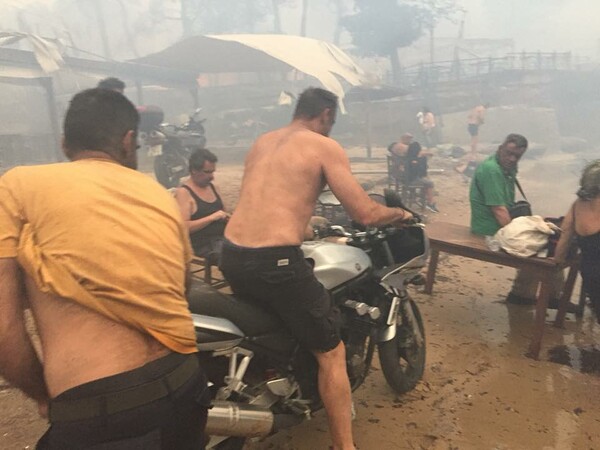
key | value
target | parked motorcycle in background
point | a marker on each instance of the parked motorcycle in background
(170, 145)
(261, 379)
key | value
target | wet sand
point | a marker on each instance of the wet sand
(479, 390)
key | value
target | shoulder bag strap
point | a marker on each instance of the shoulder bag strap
(520, 189)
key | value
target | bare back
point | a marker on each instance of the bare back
(79, 345)
(282, 180)
(476, 115)
(587, 217)
(285, 171)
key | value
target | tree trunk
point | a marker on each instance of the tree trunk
(369, 123)
(48, 85)
(338, 27)
(276, 17)
(127, 28)
(304, 16)
(24, 26)
(431, 45)
(187, 23)
(395, 64)
(102, 27)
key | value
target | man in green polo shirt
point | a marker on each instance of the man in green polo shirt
(493, 187)
(492, 193)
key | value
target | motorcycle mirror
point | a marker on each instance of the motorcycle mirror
(393, 200)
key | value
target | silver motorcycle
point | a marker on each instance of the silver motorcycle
(262, 381)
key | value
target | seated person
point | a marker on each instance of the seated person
(415, 170)
(112, 84)
(582, 223)
(398, 155)
(399, 149)
(201, 205)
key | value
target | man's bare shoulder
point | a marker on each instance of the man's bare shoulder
(297, 133)
(399, 149)
(294, 136)
(321, 142)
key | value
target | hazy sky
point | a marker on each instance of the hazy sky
(545, 25)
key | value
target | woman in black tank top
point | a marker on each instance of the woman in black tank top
(208, 239)
(582, 224)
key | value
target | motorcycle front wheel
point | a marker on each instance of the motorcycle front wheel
(403, 357)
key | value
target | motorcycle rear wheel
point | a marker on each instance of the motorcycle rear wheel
(403, 357)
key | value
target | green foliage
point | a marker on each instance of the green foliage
(379, 27)
(432, 11)
(223, 16)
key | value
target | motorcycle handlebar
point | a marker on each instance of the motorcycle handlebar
(414, 220)
(356, 233)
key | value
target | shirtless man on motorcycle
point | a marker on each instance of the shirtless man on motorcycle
(285, 171)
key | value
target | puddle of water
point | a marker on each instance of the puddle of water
(581, 359)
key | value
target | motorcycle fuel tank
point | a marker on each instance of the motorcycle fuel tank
(335, 264)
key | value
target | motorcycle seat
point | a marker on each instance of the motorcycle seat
(251, 319)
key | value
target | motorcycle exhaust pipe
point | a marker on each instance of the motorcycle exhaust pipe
(235, 419)
(362, 309)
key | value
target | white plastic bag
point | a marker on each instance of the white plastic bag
(525, 236)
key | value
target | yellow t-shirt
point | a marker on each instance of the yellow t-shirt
(105, 236)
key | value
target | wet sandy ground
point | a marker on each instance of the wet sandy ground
(479, 390)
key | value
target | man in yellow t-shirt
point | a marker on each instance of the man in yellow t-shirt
(99, 253)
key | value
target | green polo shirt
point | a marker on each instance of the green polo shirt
(491, 186)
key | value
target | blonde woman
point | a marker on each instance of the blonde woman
(582, 223)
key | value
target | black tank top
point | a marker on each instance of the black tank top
(590, 248)
(202, 237)
(589, 245)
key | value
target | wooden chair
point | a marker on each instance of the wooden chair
(204, 267)
(412, 194)
(583, 296)
(329, 207)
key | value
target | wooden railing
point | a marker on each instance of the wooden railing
(464, 69)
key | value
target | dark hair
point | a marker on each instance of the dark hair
(97, 119)
(590, 181)
(313, 101)
(199, 157)
(111, 83)
(517, 139)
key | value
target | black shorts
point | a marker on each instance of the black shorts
(473, 129)
(169, 401)
(280, 279)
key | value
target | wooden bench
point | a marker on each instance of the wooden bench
(458, 240)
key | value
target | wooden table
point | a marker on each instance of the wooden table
(458, 240)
